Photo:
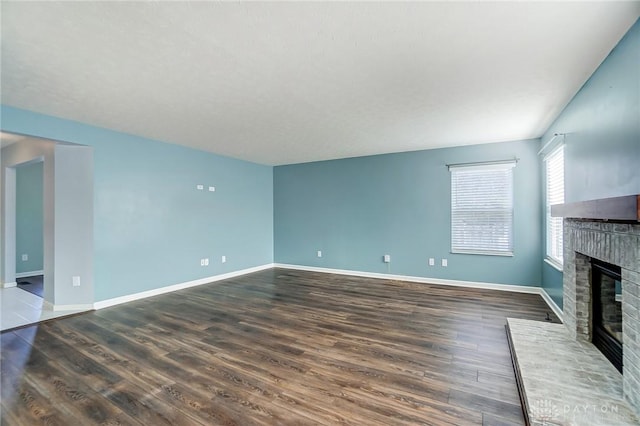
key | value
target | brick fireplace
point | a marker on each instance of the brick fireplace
(616, 243)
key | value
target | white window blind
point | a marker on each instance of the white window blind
(482, 209)
(554, 173)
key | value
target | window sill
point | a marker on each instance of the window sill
(554, 264)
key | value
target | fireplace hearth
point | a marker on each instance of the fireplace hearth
(587, 371)
(613, 244)
(599, 234)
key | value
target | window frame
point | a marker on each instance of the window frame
(550, 257)
(482, 212)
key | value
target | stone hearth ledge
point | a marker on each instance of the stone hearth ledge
(563, 381)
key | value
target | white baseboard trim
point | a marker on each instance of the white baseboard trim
(471, 284)
(9, 285)
(168, 289)
(439, 281)
(555, 308)
(79, 307)
(29, 274)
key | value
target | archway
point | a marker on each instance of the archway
(68, 219)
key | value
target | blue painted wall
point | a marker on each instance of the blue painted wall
(151, 225)
(552, 283)
(356, 210)
(602, 126)
(602, 142)
(29, 217)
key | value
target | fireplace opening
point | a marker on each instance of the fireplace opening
(607, 310)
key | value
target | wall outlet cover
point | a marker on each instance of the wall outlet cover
(199, 187)
(386, 258)
(432, 261)
(319, 253)
(445, 262)
(212, 189)
(224, 259)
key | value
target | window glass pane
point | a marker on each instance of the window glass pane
(482, 209)
(554, 174)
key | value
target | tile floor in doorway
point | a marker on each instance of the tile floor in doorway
(19, 307)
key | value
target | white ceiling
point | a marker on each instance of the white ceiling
(280, 83)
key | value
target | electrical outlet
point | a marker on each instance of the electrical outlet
(206, 262)
(212, 189)
(444, 262)
(432, 261)
(201, 262)
(319, 253)
(387, 258)
(199, 187)
(25, 257)
(224, 259)
(76, 281)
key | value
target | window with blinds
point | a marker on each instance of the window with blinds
(482, 208)
(554, 176)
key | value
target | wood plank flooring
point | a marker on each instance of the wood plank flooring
(274, 347)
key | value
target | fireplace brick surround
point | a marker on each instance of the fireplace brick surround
(617, 244)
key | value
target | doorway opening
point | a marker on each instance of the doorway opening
(67, 230)
(29, 227)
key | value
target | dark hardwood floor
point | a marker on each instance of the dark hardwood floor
(274, 347)
(33, 284)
